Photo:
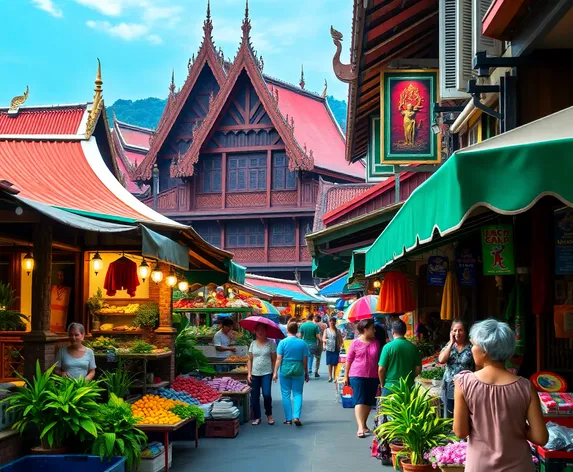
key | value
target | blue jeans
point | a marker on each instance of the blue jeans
(312, 348)
(292, 385)
(263, 382)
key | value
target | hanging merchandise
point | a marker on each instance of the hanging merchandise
(466, 262)
(497, 250)
(515, 316)
(563, 320)
(450, 299)
(437, 270)
(563, 231)
(395, 294)
(121, 275)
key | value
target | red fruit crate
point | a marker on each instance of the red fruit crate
(221, 428)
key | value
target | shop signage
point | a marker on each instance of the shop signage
(437, 270)
(563, 230)
(466, 268)
(497, 250)
(407, 101)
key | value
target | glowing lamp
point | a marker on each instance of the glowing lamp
(377, 283)
(156, 274)
(171, 279)
(183, 286)
(97, 263)
(144, 270)
(28, 263)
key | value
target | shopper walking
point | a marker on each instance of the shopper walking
(76, 360)
(309, 332)
(331, 344)
(498, 411)
(261, 365)
(457, 355)
(361, 373)
(318, 354)
(292, 369)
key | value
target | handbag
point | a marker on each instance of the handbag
(292, 369)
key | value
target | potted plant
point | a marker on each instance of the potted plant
(10, 320)
(147, 318)
(415, 422)
(118, 434)
(118, 381)
(449, 458)
(94, 304)
(58, 407)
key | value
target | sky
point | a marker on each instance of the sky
(52, 45)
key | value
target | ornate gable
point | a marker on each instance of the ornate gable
(245, 64)
(207, 58)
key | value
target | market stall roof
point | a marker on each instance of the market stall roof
(506, 174)
(336, 287)
(281, 287)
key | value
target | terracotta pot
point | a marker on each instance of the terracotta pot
(395, 449)
(41, 450)
(452, 468)
(407, 467)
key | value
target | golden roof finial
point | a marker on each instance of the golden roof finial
(97, 104)
(246, 26)
(302, 82)
(325, 89)
(17, 101)
(208, 23)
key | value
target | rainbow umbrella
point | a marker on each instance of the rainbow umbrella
(268, 309)
(361, 309)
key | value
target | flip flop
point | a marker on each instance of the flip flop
(256, 422)
(271, 423)
(297, 422)
(288, 422)
(361, 434)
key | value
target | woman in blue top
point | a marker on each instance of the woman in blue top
(292, 368)
(76, 360)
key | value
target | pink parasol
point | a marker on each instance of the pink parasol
(273, 330)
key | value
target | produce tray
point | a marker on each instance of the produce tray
(165, 383)
(245, 392)
(212, 310)
(163, 427)
(100, 332)
(159, 355)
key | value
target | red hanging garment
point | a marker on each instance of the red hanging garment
(121, 275)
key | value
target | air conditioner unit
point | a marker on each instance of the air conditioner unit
(460, 39)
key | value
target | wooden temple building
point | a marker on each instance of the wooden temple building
(239, 155)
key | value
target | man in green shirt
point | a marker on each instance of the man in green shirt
(309, 332)
(399, 359)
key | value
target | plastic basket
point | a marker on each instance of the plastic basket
(347, 402)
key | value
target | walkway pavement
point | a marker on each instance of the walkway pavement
(326, 442)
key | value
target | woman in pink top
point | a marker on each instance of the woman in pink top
(361, 373)
(499, 411)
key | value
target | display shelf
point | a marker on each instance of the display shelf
(212, 310)
(123, 300)
(115, 333)
(117, 314)
(162, 384)
(128, 355)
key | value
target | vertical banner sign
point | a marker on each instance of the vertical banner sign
(497, 250)
(466, 268)
(408, 99)
(563, 230)
(437, 270)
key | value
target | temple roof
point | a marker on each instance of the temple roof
(44, 120)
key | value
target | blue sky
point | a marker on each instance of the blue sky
(52, 45)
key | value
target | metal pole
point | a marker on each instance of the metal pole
(397, 184)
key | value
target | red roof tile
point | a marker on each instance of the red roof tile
(340, 194)
(135, 136)
(45, 170)
(315, 126)
(43, 120)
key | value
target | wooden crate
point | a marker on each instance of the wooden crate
(221, 428)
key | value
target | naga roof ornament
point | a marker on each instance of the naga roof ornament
(97, 103)
(18, 101)
(345, 72)
(302, 82)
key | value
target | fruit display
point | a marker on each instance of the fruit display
(202, 331)
(217, 300)
(171, 394)
(237, 359)
(189, 411)
(244, 338)
(240, 370)
(196, 389)
(102, 344)
(130, 309)
(152, 409)
(226, 384)
(106, 327)
(436, 373)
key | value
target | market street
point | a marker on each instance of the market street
(326, 442)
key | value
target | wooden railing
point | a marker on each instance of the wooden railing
(11, 355)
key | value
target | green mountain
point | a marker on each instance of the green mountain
(147, 111)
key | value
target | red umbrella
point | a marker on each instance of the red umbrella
(273, 330)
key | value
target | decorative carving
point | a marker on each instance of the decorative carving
(247, 199)
(208, 200)
(18, 100)
(211, 98)
(283, 198)
(97, 103)
(325, 89)
(246, 25)
(302, 82)
(172, 84)
(261, 64)
(282, 254)
(344, 72)
(208, 23)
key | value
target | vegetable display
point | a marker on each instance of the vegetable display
(237, 359)
(151, 409)
(196, 389)
(171, 394)
(433, 374)
(244, 338)
(189, 411)
(102, 344)
(226, 384)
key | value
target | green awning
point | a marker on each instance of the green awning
(506, 179)
(160, 247)
(237, 273)
(357, 263)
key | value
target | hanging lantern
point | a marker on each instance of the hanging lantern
(156, 274)
(376, 283)
(183, 286)
(28, 263)
(97, 263)
(144, 269)
(171, 279)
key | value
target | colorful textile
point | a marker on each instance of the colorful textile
(450, 309)
(395, 294)
(121, 275)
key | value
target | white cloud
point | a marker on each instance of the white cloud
(154, 39)
(153, 13)
(107, 7)
(126, 31)
(48, 5)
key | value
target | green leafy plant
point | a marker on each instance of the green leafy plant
(117, 433)
(118, 381)
(10, 320)
(244, 338)
(425, 348)
(58, 407)
(187, 357)
(189, 411)
(141, 347)
(414, 421)
(95, 303)
(102, 344)
(433, 374)
(147, 316)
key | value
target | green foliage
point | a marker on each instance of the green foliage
(433, 374)
(10, 320)
(187, 357)
(117, 433)
(425, 348)
(102, 344)
(244, 338)
(147, 316)
(414, 421)
(58, 407)
(141, 347)
(338, 108)
(119, 381)
(189, 411)
(95, 303)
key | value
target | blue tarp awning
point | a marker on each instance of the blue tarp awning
(296, 296)
(334, 289)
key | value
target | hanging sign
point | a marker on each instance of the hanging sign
(563, 230)
(466, 268)
(437, 270)
(497, 250)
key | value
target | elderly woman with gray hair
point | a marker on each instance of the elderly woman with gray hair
(498, 411)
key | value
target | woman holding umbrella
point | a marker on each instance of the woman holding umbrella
(261, 364)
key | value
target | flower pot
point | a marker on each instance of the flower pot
(452, 468)
(395, 449)
(407, 467)
(436, 383)
(47, 451)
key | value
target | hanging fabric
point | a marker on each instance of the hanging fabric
(450, 309)
(121, 275)
(395, 294)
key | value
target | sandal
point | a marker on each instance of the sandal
(361, 434)
(297, 422)
(271, 422)
(287, 422)
(256, 422)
